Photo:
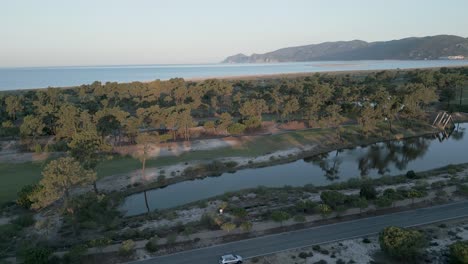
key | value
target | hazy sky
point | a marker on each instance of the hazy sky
(107, 32)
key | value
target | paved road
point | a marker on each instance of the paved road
(317, 235)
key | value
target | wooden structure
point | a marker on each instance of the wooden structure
(442, 120)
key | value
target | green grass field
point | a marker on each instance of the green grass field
(15, 176)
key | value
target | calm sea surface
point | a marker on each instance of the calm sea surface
(41, 77)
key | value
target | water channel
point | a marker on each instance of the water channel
(384, 158)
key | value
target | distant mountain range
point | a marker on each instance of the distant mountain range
(433, 47)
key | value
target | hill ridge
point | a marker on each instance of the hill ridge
(410, 48)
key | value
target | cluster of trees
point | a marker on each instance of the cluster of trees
(89, 119)
(339, 202)
(118, 112)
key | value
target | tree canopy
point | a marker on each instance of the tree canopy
(58, 177)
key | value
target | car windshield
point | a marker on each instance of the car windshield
(229, 257)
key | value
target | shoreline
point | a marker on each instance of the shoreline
(304, 74)
(255, 76)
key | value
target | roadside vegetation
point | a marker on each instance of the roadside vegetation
(435, 243)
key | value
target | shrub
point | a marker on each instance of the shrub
(36, 255)
(459, 252)
(366, 240)
(462, 189)
(401, 243)
(368, 191)
(304, 255)
(24, 195)
(383, 201)
(99, 242)
(414, 193)
(171, 238)
(280, 216)
(126, 248)
(442, 226)
(75, 254)
(236, 129)
(208, 221)
(452, 171)
(171, 215)
(333, 198)
(93, 211)
(152, 244)
(306, 206)
(188, 230)
(239, 212)
(324, 210)
(24, 220)
(246, 226)
(209, 125)
(391, 194)
(252, 122)
(411, 175)
(228, 227)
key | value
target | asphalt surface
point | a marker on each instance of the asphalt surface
(317, 235)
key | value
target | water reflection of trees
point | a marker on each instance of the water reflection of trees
(328, 162)
(380, 157)
(392, 153)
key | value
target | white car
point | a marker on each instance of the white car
(230, 259)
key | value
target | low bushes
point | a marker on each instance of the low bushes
(152, 244)
(401, 243)
(459, 252)
(368, 191)
(126, 248)
(36, 254)
(75, 254)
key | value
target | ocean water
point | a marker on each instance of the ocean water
(42, 77)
